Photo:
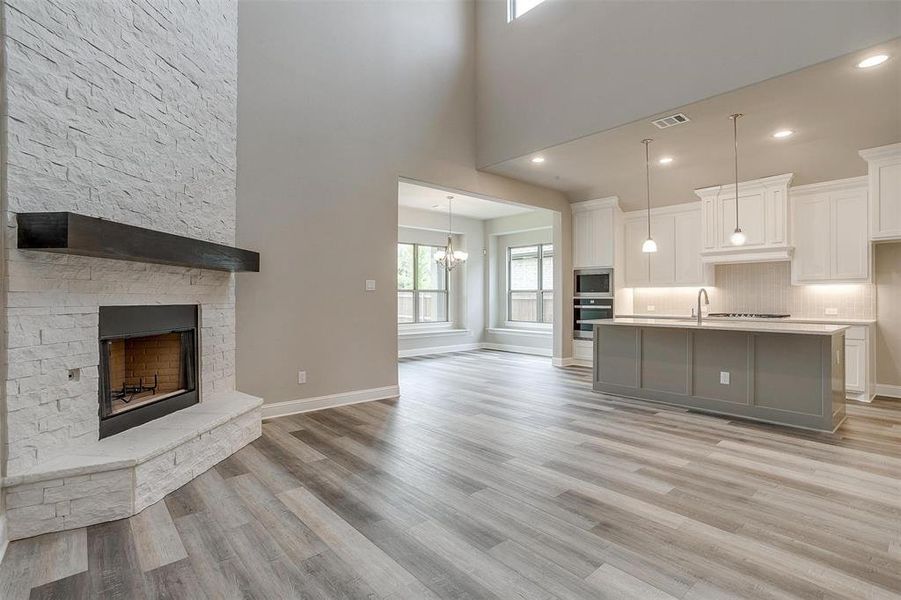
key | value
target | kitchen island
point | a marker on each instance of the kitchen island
(786, 373)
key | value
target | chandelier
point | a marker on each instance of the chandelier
(450, 258)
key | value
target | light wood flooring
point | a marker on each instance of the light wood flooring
(497, 475)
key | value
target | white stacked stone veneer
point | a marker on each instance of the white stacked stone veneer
(125, 111)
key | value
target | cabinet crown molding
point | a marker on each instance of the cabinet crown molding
(837, 185)
(763, 183)
(669, 209)
(881, 152)
(608, 202)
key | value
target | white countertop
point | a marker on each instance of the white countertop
(827, 320)
(728, 325)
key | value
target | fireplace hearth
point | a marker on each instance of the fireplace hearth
(148, 364)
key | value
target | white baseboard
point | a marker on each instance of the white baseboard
(562, 362)
(437, 350)
(890, 391)
(517, 349)
(302, 405)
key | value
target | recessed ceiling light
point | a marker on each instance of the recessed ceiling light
(783, 133)
(537, 160)
(665, 160)
(872, 61)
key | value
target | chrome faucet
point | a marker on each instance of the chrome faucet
(703, 292)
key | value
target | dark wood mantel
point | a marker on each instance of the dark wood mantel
(70, 233)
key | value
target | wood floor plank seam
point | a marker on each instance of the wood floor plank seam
(496, 475)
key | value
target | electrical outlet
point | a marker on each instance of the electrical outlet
(301, 377)
(651, 308)
(724, 377)
(370, 285)
(831, 311)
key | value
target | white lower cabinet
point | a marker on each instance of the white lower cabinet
(859, 383)
(582, 352)
(855, 365)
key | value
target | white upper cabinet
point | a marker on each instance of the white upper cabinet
(663, 262)
(638, 265)
(687, 230)
(884, 173)
(762, 215)
(594, 232)
(829, 229)
(677, 262)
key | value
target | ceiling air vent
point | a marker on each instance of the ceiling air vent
(670, 121)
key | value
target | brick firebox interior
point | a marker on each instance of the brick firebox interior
(153, 360)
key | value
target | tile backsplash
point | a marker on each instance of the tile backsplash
(762, 288)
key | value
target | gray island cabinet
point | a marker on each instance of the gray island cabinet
(786, 373)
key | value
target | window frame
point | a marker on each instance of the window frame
(415, 290)
(539, 293)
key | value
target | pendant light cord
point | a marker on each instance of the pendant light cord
(735, 149)
(647, 178)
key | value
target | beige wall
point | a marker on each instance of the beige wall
(336, 100)
(569, 68)
(888, 310)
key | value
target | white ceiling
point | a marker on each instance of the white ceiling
(835, 109)
(411, 195)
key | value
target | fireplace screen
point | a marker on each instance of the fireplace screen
(148, 357)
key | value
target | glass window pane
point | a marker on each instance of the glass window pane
(430, 275)
(523, 306)
(405, 266)
(405, 307)
(524, 268)
(521, 7)
(547, 267)
(547, 307)
(432, 306)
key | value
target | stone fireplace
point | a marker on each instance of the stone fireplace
(113, 112)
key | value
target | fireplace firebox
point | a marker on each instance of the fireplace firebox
(148, 364)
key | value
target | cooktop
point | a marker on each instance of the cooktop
(749, 315)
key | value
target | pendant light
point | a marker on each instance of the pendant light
(448, 257)
(738, 237)
(649, 246)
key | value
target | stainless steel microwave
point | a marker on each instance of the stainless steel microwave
(597, 283)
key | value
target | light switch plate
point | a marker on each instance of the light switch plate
(301, 377)
(370, 285)
(724, 377)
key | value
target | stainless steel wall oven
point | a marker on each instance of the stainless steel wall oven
(593, 300)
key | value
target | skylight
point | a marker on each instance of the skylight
(517, 8)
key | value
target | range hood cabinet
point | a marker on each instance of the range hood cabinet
(763, 215)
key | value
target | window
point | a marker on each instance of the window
(530, 284)
(421, 285)
(517, 8)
